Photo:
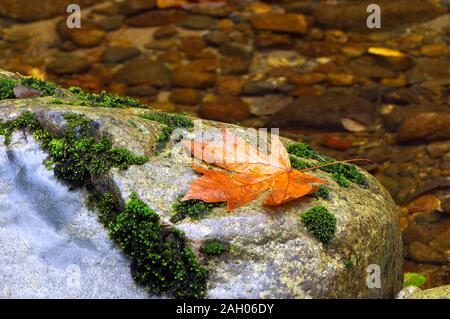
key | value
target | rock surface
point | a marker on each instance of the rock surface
(272, 255)
(442, 292)
(50, 241)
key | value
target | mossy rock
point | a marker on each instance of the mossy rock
(272, 254)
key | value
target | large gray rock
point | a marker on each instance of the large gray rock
(272, 255)
(52, 245)
(442, 292)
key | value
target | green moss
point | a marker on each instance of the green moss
(414, 279)
(106, 205)
(77, 156)
(103, 99)
(322, 192)
(305, 151)
(342, 173)
(214, 247)
(298, 163)
(171, 122)
(320, 223)
(45, 87)
(193, 208)
(160, 259)
(7, 88)
(349, 264)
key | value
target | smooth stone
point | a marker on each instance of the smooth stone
(143, 71)
(118, 54)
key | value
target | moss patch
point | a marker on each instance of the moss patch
(193, 208)
(342, 173)
(104, 99)
(160, 259)
(322, 192)
(7, 86)
(171, 122)
(214, 247)
(320, 223)
(414, 279)
(349, 265)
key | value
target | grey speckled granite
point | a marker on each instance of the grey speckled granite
(47, 235)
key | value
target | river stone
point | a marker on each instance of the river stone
(324, 112)
(272, 256)
(26, 10)
(142, 71)
(442, 292)
(47, 235)
(352, 15)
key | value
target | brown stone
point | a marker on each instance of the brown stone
(352, 15)
(288, 22)
(269, 39)
(27, 10)
(225, 109)
(340, 79)
(144, 71)
(157, 18)
(190, 77)
(166, 31)
(438, 149)
(422, 253)
(229, 85)
(186, 96)
(306, 78)
(233, 65)
(66, 64)
(318, 48)
(435, 49)
(191, 45)
(88, 38)
(427, 126)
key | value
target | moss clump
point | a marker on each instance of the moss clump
(171, 122)
(26, 120)
(77, 156)
(414, 279)
(214, 247)
(322, 192)
(103, 99)
(342, 173)
(7, 86)
(320, 223)
(349, 264)
(160, 259)
(105, 204)
(45, 87)
(193, 208)
(298, 163)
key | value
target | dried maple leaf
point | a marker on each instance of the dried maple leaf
(250, 172)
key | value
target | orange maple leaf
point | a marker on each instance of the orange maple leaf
(250, 172)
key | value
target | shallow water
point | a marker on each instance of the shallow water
(52, 246)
